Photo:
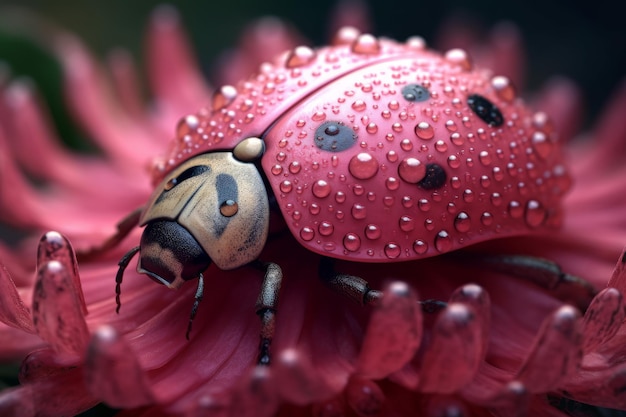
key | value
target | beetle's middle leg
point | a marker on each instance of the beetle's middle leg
(357, 289)
(266, 305)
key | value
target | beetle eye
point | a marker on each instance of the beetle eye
(229, 208)
(185, 175)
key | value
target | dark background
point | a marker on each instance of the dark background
(584, 40)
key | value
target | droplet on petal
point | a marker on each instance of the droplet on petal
(113, 373)
(455, 351)
(223, 97)
(300, 56)
(393, 334)
(559, 337)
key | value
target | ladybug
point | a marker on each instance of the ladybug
(371, 150)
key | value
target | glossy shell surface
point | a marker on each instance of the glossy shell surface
(381, 151)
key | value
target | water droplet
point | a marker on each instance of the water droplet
(420, 247)
(307, 234)
(485, 181)
(392, 250)
(223, 97)
(326, 228)
(286, 186)
(340, 197)
(451, 126)
(393, 105)
(392, 183)
(406, 223)
(372, 232)
(318, 116)
(411, 170)
(462, 222)
(441, 146)
(498, 174)
(187, 125)
(397, 127)
(334, 136)
(363, 166)
(541, 145)
(443, 241)
(515, 209)
(453, 161)
(486, 219)
(314, 209)
(484, 158)
(366, 44)
(321, 189)
(503, 87)
(424, 204)
(424, 131)
(229, 208)
(392, 156)
(346, 35)
(459, 57)
(457, 139)
(300, 56)
(352, 242)
(269, 88)
(468, 196)
(535, 213)
(277, 169)
(371, 128)
(295, 167)
(406, 145)
(359, 105)
(496, 199)
(359, 211)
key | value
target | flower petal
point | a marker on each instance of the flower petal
(364, 397)
(556, 353)
(13, 311)
(17, 402)
(603, 318)
(455, 351)
(112, 372)
(476, 297)
(393, 335)
(256, 395)
(299, 382)
(618, 278)
(57, 309)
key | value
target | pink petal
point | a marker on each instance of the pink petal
(393, 335)
(478, 299)
(55, 247)
(455, 351)
(562, 100)
(505, 52)
(13, 311)
(364, 397)
(17, 402)
(58, 309)
(126, 82)
(603, 318)
(173, 72)
(299, 382)
(112, 372)
(256, 395)
(556, 353)
(618, 278)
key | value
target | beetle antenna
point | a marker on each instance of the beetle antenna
(123, 263)
(196, 303)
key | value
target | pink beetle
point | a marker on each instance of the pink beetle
(372, 150)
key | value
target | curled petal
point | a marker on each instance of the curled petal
(618, 278)
(603, 388)
(55, 247)
(256, 395)
(603, 318)
(112, 372)
(174, 73)
(17, 402)
(556, 353)
(364, 397)
(393, 335)
(13, 311)
(57, 309)
(300, 383)
(455, 351)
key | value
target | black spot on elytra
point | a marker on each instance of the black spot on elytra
(435, 177)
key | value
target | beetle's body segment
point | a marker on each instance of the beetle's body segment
(378, 151)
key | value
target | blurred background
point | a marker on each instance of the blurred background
(584, 40)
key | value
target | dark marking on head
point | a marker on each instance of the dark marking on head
(485, 109)
(334, 136)
(227, 190)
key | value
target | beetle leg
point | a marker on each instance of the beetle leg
(546, 274)
(357, 289)
(124, 227)
(123, 264)
(266, 307)
(196, 303)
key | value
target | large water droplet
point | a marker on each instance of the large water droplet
(406, 223)
(462, 222)
(359, 211)
(366, 44)
(363, 166)
(372, 232)
(459, 57)
(307, 234)
(392, 250)
(535, 213)
(299, 56)
(223, 97)
(326, 228)
(411, 170)
(420, 247)
(443, 241)
(515, 209)
(425, 131)
(352, 242)
(541, 145)
(503, 87)
(321, 189)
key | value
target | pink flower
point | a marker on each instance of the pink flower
(494, 344)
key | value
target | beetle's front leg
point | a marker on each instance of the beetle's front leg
(266, 307)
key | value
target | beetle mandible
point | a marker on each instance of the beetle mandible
(372, 151)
